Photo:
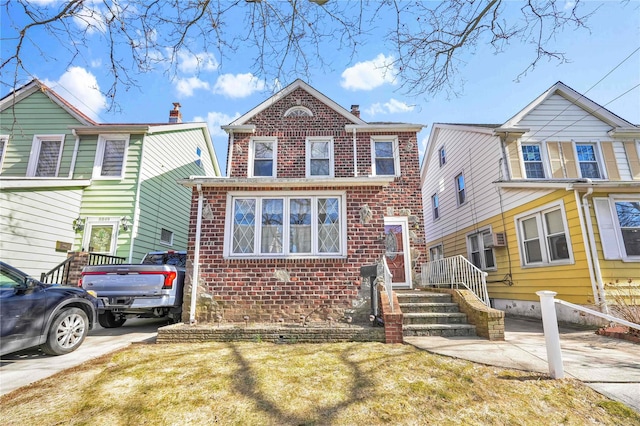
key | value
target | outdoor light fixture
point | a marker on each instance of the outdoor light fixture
(78, 224)
(124, 222)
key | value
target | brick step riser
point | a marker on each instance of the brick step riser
(449, 309)
(435, 320)
(444, 333)
(424, 299)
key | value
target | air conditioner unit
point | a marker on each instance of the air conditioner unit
(498, 239)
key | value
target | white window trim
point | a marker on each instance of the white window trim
(481, 246)
(228, 228)
(546, 262)
(166, 243)
(298, 108)
(102, 143)
(396, 154)
(440, 157)
(274, 140)
(308, 156)
(403, 221)
(439, 248)
(618, 251)
(599, 157)
(433, 207)
(93, 221)
(35, 153)
(546, 169)
(4, 138)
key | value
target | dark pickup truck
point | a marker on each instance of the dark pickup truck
(151, 289)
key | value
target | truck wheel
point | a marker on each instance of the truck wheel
(108, 320)
(67, 332)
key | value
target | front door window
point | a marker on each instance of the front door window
(100, 236)
(397, 251)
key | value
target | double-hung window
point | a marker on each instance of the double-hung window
(532, 159)
(319, 157)
(480, 255)
(46, 153)
(4, 140)
(618, 219)
(111, 156)
(435, 206)
(291, 225)
(442, 154)
(436, 252)
(628, 213)
(385, 160)
(588, 160)
(544, 238)
(461, 195)
(263, 157)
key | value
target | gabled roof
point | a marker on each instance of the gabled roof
(36, 85)
(298, 84)
(575, 98)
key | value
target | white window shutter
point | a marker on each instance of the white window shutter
(607, 229)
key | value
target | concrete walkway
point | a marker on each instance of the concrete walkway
(608, 365)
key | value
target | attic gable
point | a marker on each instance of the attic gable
(296, 85)
(576, 99)
(36, 85)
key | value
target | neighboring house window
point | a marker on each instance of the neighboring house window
(532, 161)
(436, 252)
(482, 257)
(443, 156)
(110, 156)
(461, 195)
(46, 152)
(435, 206)
(166, 237)
(543, 237)
(198, 160)
(319, 157)
(588, 160)
(628, 213)
(298, 111)
(292, 225)
(385, 161)
(4, 140)
(263, 157)
(618, 218)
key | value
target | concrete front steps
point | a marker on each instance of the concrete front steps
(432, 314)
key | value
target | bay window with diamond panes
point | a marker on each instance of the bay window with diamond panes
(295, 225)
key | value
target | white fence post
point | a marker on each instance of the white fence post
(551, 334)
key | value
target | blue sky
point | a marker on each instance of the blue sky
(223, 90)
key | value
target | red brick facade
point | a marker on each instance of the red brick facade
(290, 290)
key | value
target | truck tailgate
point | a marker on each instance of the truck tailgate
(137, 281)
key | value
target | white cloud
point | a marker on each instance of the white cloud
(369, 74)
(393, 106)
(238, 85)
(216, 119)
(192, 63)
(80, 88)
(90, 19)
(186, 86)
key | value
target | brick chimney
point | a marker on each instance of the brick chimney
(355, 110)
(175, 116)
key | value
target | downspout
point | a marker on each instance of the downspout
(76, 147)
(136, 207)
(594, 252)
(196, 258)
(587, 249)
(355, 154)
(230, 152)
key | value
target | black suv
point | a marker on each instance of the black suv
(56, 318)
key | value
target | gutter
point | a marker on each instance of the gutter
(196, 258)
(587, 249)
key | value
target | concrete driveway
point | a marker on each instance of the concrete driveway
(22, 368)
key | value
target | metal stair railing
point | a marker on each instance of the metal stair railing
(456, 272)
(61, 273)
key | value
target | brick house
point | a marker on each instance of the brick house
(312, 194)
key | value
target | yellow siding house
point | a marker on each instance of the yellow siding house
(548, 200)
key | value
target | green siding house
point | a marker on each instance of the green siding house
(68, 183)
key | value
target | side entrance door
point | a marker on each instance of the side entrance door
(397, 252)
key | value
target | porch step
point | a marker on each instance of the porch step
(432, 314)
(415, 318)
(444, 330)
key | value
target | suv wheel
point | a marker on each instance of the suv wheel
(108, 320)
(67, 332)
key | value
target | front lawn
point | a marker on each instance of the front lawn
(302, 384)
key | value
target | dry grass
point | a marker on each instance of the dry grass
(304, 384)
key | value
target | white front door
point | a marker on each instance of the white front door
(100, 236)
(397, 252)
